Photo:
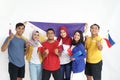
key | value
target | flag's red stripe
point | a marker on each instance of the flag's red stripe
(108, 42)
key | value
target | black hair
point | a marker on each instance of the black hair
(19, 24)
(50, 29)
(95, 25)
(81, 38)
(37, 31)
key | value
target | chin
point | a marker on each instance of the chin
(20, 34)
(51, 39)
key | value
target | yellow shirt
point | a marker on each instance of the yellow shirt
(93, 53)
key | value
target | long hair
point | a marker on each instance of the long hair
(80, 40)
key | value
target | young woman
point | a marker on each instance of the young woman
(34, 57)
(78, 56)
(65, 61)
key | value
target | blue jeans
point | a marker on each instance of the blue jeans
(66, 71)
(35, 71)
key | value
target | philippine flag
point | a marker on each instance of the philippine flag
(72, 27)
(109, 41)
(43, 26)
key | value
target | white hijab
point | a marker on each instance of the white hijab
(33, 42)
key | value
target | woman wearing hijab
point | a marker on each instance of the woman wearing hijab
(65, 61)
(34, 57)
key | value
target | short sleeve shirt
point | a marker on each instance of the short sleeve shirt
(16, 49)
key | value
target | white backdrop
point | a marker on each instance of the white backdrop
(106, 13)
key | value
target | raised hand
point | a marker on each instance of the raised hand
(56, 52)
(46, 52)
(99, 44)
(11, 36)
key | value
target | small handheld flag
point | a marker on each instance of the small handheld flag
(76, 54)
(69, 52)
(109, 41)
(10, 31)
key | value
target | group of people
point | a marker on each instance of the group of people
(65, 58)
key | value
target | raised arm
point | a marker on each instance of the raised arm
(6, 43)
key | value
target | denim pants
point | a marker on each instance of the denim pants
(66, 71)
(35, 71)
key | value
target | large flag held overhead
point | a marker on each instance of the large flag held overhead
(72, 27)
(109, 41)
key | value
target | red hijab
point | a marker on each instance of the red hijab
(67, 40)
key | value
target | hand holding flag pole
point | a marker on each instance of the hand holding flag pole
(11, 35)
(10, 31)
(76, 55)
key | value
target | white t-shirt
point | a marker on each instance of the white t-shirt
(35, 56)
(65, 58)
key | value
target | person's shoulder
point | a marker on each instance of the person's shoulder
(99, 37)
(44, 42)
(88, 38)
(56, 41)
(80, 45)
(24, 38)
(70, 38)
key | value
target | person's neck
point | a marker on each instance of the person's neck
(50, 40)
(94, 35)
(18, 36)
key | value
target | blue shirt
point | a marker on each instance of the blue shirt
(78, 65)
(16, 53)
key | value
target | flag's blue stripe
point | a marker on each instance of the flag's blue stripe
(72, 27)
(110, 40)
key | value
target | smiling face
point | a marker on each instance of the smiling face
(63, 34)
(50, 35)
(35, 36)
(76, 36)
(20, 30)
(94, 30)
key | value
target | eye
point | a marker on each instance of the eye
(36, 34)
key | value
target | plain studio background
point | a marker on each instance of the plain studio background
(103, 12)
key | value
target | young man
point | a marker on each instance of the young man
(16, 47)
(51, 52)
(94, 57)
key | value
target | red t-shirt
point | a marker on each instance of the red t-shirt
(51, 61)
